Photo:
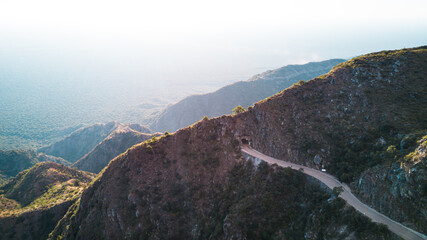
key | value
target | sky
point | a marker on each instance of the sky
(211, 42)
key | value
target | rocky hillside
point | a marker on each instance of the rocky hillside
(82, 141)
(344, 120)
(14, 161)
(244, 93)
(37, 198)
(195, 184)
(116, 143)
(398, 187)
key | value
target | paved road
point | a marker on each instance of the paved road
(331, 182)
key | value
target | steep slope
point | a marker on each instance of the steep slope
(346, 121)
(14, 161)
(116, 143)
(34, 201)
(399, 188)
(80, 142)
(244, 93)
(194, 183)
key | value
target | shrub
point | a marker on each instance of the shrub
(238, 109)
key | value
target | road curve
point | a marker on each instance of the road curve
(331, 182)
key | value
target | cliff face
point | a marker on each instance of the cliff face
(399, 188)
(244, 93)
(116, 143)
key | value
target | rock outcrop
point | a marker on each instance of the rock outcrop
(399, 189)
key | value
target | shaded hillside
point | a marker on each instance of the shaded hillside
(14, 161)
(116, 143)
(37, 198)
(80, 142)
(181, 185)
(244, 93)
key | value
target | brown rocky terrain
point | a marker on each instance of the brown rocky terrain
(195, 184)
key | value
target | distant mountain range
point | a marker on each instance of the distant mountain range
(91, 148)
(244, 93)
(80, 142)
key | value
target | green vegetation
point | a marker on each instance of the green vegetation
(418, 150)
(40, 187)
(3, 180)
(391, 149)
(337, 191)
(277, 203)
(299, 83)
(35, 200)
(238, 109)
(358, 156)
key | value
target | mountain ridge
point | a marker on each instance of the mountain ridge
(244, 93)
(122, 138)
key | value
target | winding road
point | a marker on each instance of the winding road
(331, 182)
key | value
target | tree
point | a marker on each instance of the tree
(337, 190)
(238, 109)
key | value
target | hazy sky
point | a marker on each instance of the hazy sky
(209, 42)
(63, 63)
